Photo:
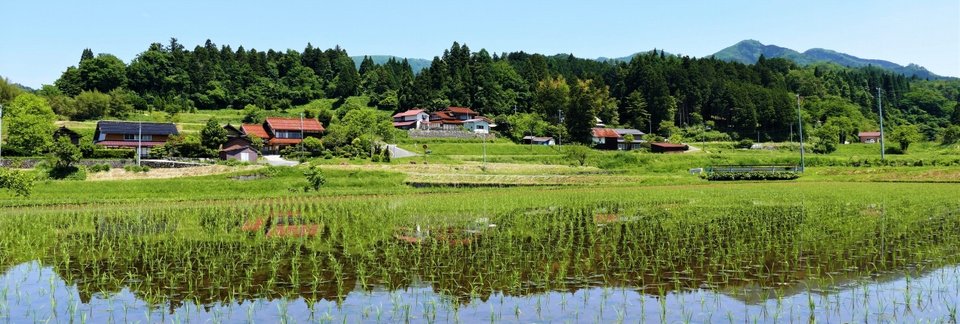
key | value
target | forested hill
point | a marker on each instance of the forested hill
(749, 51)
(415, 63)
(652, 92)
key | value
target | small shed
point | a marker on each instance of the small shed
(869, 137)
(668, 147)
(539, 140)
(239, 149)
(69, 133)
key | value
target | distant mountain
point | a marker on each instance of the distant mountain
(626, 59)
(415, 63)
(749, 51)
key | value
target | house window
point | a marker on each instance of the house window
(133, 137)
(480, 127)
(288, 134)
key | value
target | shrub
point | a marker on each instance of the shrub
(20, 183)
(137, 169)
(744, 144)
(103, 167)
(951, 135)
(315, 178)
(102, 153)
(749, 176)
(577, 153)
(893, 150)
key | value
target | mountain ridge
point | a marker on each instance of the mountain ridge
(749, 51)
(746, 52)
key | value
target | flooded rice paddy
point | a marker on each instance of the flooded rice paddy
(666, 260)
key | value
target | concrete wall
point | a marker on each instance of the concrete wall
(418, 133)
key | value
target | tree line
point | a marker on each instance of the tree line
(532, 94)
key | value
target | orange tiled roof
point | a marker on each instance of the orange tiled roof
(255, 130)
(294, 124)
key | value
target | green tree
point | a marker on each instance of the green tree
(634, 112)
(551, 96)
(64, 154)
(254, 115)
(585, 101)
(70, 82)
(577, 153)
(362, 122)
(29, 120)
(955, 118)
(8, 91)
(213, 135)
(827, 139)
(951, 135)
(91, 105)
(904, 135)
(103, 73)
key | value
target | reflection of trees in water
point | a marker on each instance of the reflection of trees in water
(745, 255)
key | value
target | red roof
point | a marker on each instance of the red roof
(128, 143)
(254, 129)
(411, 112)
(295, 124)
(605, 132)
(406, 123)
(462, 110)
(869, 134)
(283, 141)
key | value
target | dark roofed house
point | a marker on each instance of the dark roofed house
(233, 131)
(869, 137)
(622, 141)
(69, 133)
(122, 134)
(667, 147)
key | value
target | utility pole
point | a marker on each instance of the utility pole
(800, 124)
(559, 135)
(301, 136)
(139, 140)
(880, 107)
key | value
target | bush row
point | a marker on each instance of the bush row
(747, 176)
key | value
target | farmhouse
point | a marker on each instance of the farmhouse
(622, 140)
(411, 119)
(130, 135)
(479, 125)
(537, 140)
(616, 138)
(668, 147)
(63, 131)
(278, 133)
(238, 148)
(869, 137)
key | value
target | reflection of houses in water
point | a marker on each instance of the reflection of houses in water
(532, 251)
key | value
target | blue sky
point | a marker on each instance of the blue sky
(43, 37)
